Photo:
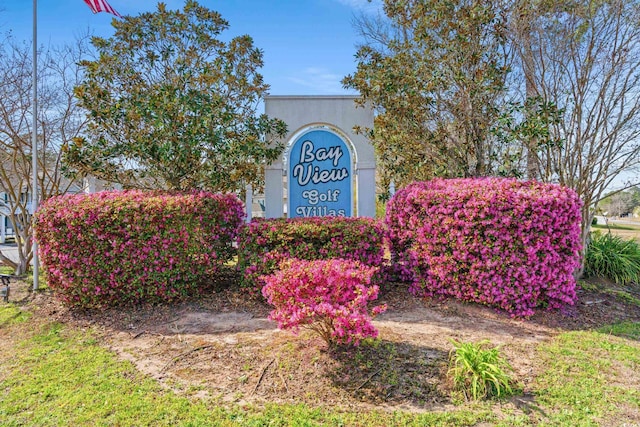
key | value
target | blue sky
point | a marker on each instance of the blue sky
(308, 45)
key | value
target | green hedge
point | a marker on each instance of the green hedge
(264, 243)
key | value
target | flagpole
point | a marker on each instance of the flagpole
(34, 146)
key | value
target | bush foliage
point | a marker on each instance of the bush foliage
(500, 242)
(127, 247)
(479, 372)
(614, 258)
(264, 243)
(329, 297)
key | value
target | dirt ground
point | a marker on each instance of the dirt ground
(223, 347)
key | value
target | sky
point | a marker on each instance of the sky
(308, 45)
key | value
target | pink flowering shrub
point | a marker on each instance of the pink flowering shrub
(130, 247)
(500, 242)
(329, 297)
(264, 243)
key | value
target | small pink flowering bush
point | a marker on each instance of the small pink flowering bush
(329, 297)
(500, 242)
(130, 247)
(264, 243)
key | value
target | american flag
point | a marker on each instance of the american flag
(101, 6)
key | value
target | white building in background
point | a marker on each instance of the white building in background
(6, 226)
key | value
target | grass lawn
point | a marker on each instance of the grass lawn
(53, 375)
(626, 231)
(613, 226)
(591, 379)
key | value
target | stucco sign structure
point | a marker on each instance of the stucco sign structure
(326, 169)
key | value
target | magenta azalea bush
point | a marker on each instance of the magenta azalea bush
(264, 243)
(501, 242)
(329, 297)
(130, 247)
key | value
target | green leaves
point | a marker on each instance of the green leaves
(172, 106)
(477, 371)
(436, 75)
(614, 258)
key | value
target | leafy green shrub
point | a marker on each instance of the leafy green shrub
(614, 258)
(116, 248)
(264, 243)
(477, 371)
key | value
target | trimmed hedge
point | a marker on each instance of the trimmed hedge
(130, 247)
(500, 242)
(264, 243)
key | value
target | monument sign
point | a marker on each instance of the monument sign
(326, 169)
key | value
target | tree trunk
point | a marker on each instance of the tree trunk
(585, 235)
(525, 51)
(21, 267)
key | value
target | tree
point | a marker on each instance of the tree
(573, 117)
(436, 74)
(59, 120)
(173, 106)
(521, 22)
(620, 203)
(587, 64)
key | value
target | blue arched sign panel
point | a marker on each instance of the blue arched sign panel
(320, 175)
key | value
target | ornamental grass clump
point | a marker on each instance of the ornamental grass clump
(131, 247)
(264, 243)
(501, 242)
(479, 372)
(329, 297)
(613, 257)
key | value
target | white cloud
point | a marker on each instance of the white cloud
(319, 81)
